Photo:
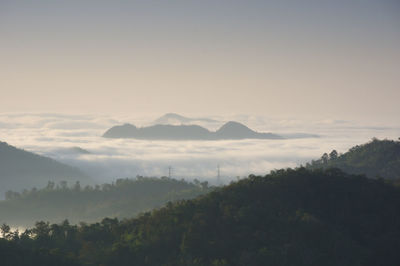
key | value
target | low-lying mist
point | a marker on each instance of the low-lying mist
(76, 140)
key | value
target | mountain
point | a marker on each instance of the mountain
(123, 131)
(235, 130)
(175, 119)
(20, 169)
(231, 130)
(288, 217)
(377, 158)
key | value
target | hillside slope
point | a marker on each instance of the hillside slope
(20, 169)
(377, 158)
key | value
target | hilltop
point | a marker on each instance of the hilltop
(377, 158)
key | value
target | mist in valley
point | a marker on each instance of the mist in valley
(77, 140)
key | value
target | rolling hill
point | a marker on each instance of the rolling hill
(20, 169)
(377, 158)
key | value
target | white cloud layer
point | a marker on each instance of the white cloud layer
(58, 136)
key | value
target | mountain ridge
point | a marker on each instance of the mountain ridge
(230, 130)
(173, 118)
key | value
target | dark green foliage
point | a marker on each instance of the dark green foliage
(378, 158)
(123, 199)
(21, 253)
(289, 217)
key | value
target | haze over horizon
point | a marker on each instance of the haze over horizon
(325, 59)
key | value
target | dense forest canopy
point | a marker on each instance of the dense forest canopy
(288, 217)
(377, 158)
(123, 199)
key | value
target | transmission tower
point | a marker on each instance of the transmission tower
(218, 174)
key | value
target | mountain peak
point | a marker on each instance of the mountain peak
(174, 115)
(172, 118)
(176, 119)
(122, 131)
(233, 125)
(235, 130)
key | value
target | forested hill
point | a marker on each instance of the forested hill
(20, 169)
(289, 217)
(377, 158)
(123, 199)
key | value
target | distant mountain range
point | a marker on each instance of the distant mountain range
(20, 169)
(173, 126)
(230, 130)
(175, 119)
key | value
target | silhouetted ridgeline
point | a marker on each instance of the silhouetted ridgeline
(123, 199)
(377, 158)
(289, 217)
(20, 169)
(172, 118)
(231, 130)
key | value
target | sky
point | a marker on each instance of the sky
(336, 59)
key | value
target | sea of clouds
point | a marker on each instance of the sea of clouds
(76, 140)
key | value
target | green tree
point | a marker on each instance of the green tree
(5, 230)
(333, 155)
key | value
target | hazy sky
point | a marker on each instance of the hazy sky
(325, 58)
